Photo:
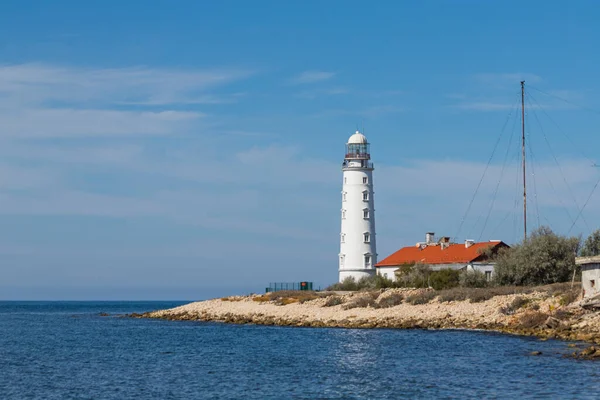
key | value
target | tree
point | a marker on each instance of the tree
(591, 247)
(543, 258)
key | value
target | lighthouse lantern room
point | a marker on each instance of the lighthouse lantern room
(358, 254)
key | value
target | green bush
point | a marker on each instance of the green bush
(367, 283)
(444, 279)
(473, 279)
(413, 275)
(543, 258)
(591, 247)
(347, 284)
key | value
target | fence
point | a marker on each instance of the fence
(276, 286)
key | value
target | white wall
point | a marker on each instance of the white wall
(388, 272)
(590, 272)
(353, 227)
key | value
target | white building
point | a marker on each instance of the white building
(358, 251)
(590, 275)
(442, 254)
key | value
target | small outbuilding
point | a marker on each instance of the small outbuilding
(590, 275)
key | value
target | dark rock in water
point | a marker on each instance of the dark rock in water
(589, 353)
(103, 314)
(535, 353)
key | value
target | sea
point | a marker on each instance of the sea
(73, 350)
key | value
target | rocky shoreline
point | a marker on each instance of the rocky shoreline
(538, 314)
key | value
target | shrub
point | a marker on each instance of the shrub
(543, 258)
(362, 301)
(347, 284)
(421, 298)
(473, 279)
(391, 300)
(591, 247)
(455, 294)
(532, 319)
(517, 303)
(333, 301)
(562, 314)
(569, 297)
(444, 279)
(413, 275)
(477, 295)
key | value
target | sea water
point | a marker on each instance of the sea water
(67, 350)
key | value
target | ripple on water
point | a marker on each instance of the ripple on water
(46, 352)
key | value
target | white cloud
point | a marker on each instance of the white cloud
(46, 101)
(39, 123)
(38, 83)
(312, 77)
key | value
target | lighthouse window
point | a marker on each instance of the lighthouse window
(343, 214)
(366, 213)
(342, 259)
(343, 238)
(365, 196)
(343, 196)
(367, 237)
(365, 179)
(367, 260)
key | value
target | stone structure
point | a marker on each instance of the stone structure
(590, 275)
(358, 251)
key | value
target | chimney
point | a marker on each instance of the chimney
(469, 243)
(429, 237)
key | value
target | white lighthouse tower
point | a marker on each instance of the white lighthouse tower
(358, 252)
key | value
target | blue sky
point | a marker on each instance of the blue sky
(160, 150)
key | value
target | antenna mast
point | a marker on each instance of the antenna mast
(523, 148)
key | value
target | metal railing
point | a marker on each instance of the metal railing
(277, 286)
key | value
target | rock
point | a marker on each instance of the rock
(552, 323)
(535, 353)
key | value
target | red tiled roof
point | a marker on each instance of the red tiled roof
(454, 253)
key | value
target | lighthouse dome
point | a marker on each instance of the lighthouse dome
(357, 138)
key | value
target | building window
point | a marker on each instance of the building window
(367, 237)
(343, 238)
(365, 179)
(367, 260)
(488, 275)
(365, 196)
(366, 213)
(343, 196)
(343, 214)
(345, 180)
(342, 260)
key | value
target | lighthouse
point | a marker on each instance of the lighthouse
(358, 251)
